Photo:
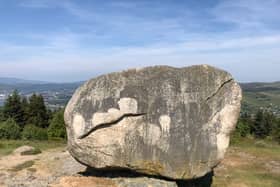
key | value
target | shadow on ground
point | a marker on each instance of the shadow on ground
(204, 181)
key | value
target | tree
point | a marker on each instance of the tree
(13, 108)
(243, 128)
(57, 126)
(2, 118)
(24, 105)
(263, 124)
(276, 131)
(37, 112)
(9, 129)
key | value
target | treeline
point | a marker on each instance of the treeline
(262, 125)
(29, 118)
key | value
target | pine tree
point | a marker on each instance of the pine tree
(262, 126)
(13, 108)
(276, 131)
(57, 126)
(37, 112)
(258, 128)
(2, 118)
(24, 105)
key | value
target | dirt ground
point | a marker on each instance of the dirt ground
(56, 168)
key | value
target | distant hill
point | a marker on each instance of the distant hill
(56, 95)
(261, 95)
(260, 86)
(12, 81)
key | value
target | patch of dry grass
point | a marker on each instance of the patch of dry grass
(7, 146)
(250, 163)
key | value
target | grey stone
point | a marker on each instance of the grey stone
(163, 121)
(143, 182)
(23, 149)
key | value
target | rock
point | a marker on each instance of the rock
(47, 168)
(161, 121)
(107, 182)
(23, 150)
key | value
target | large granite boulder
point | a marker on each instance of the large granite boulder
(164, 121)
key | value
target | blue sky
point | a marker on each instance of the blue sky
(71, 40)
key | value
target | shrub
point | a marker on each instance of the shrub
(57, 126)
(276, 131)
(31, 132)
(9, 129)
(243, 128)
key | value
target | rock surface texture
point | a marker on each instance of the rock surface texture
(163, 121)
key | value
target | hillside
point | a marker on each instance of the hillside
(55, 94)
(261, 95)
(12, 81)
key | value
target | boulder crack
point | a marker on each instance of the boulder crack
(218, 90)
(109, 124)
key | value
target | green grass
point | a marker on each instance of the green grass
(248, 177)
(248, 158)
(261, 148)
(7, 146)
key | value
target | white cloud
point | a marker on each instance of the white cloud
(248, 14)
(117, 40)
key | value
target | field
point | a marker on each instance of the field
(261, 95)
(7, 146)
(250, 163)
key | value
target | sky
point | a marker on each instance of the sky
(74, 40)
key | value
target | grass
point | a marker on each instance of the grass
(260, 148)
(246, 162)
(7, 146)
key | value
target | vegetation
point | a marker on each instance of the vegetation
(9, 129)
(250, 162)
(32, 132)
(57, 126)
(7, 146)
(37, 112)
(262, 125)
(30, 119)
(13, 108)
(261, 96)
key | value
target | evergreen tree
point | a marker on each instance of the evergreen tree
(24, 105)
(270, 120)
(242, 128)
(262, 126)
(2, 118)
(57, 126)
(258, 127)
(276, 131)
(37, 112)
(13, 108)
